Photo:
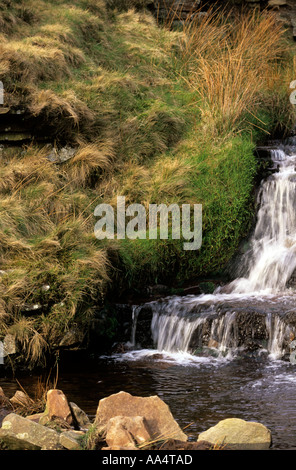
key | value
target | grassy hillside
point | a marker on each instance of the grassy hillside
(154, 114)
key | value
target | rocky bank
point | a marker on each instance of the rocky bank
(122, 422)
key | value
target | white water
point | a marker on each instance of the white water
(269, 264)
(272, 257)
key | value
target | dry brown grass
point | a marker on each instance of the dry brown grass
(88, 164)
(230, 64)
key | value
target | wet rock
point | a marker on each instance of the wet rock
(57, 406)
(251, 330)
(126, 431)
(19, 433)
(143, 335)
(237, 434)
(81, 419)
(213, 344)
(159, 419)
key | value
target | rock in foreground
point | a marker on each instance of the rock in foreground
(19, 433)
(126, 431)
(237, 434)
(159, 420)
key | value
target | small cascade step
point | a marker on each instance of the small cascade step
(217, 326)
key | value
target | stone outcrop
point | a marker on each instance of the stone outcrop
(237, 434)
(160, 421)
(176, 10)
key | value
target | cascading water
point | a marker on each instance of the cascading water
(254, 311)
(272, 257)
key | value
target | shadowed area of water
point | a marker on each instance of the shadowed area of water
(198, 392)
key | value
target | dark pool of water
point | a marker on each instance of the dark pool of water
(198, 394)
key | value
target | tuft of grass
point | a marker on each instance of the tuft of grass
(232, 79)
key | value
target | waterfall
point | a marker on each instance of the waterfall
(172, 333)
(254, 312)
(271, 259)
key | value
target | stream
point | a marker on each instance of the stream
(221, 355)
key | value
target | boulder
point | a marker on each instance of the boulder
(57, 406)
(20, 433)
(237, 434)
(159, 419)
(125, 431)
(3, 412)
(71, 440)
(21, 400)
(80, 417)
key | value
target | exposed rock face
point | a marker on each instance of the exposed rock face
(62, 155)
(176, 9)
(159, 419)
(237, 434)
(19, 433)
